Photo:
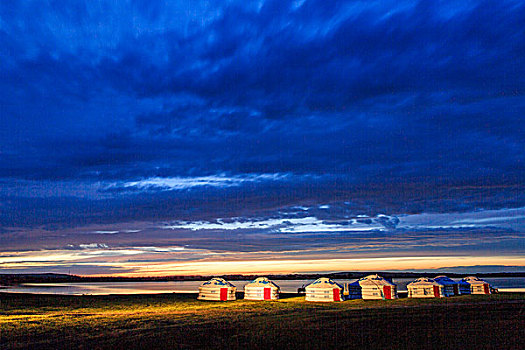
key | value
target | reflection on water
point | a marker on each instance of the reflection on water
(287, 286)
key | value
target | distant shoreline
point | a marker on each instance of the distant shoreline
(10, 279)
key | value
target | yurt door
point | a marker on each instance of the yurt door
(224, 294)
(456, 289)
(436, 291)
(267, 293)
(387, 291)
(337, 297)
(486, 288)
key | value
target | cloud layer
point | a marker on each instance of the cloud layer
(371, 90)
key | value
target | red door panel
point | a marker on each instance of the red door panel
(224, 294)
(267, 293)
(387, 291)
(486, 288)
(456, 291)
(436, 291)
(337, 297)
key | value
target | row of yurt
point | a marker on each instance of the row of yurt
(442, 286)
(218, 289)
(324, 289)
(371, 287)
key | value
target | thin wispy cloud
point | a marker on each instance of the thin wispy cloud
(425, 221)
(183, 183)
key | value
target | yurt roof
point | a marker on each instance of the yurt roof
(262, 282)
(445, 280)
(219, 282)
(374, 280)
(422, 281)
(323, 282)
(473, 280)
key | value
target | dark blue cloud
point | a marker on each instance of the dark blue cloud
(378, 94)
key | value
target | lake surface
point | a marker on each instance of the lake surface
(516, 284)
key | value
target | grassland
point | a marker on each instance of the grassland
(179, 321)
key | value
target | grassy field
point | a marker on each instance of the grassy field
(179, 321)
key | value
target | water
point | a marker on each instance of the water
(505, 284)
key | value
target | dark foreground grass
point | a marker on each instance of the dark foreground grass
(179, 321)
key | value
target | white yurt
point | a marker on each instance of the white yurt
(217, 289)
(371, 287)
(451, 286)
(477, 285)
(323, 289)
(261, 289)
(425, 287)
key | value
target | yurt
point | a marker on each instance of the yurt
(425, 287)
(217, 289)
(261, 289)
(371, 287)
(477, 285)
(451, 286)
(464, 287)
(323, 289)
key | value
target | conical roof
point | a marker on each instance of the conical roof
(445, 280)
(424, 281)
(373, 280)
(323, 283)
(473, 280)
(219, 282)
(262, 282)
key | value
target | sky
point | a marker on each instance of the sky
(202, 137)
